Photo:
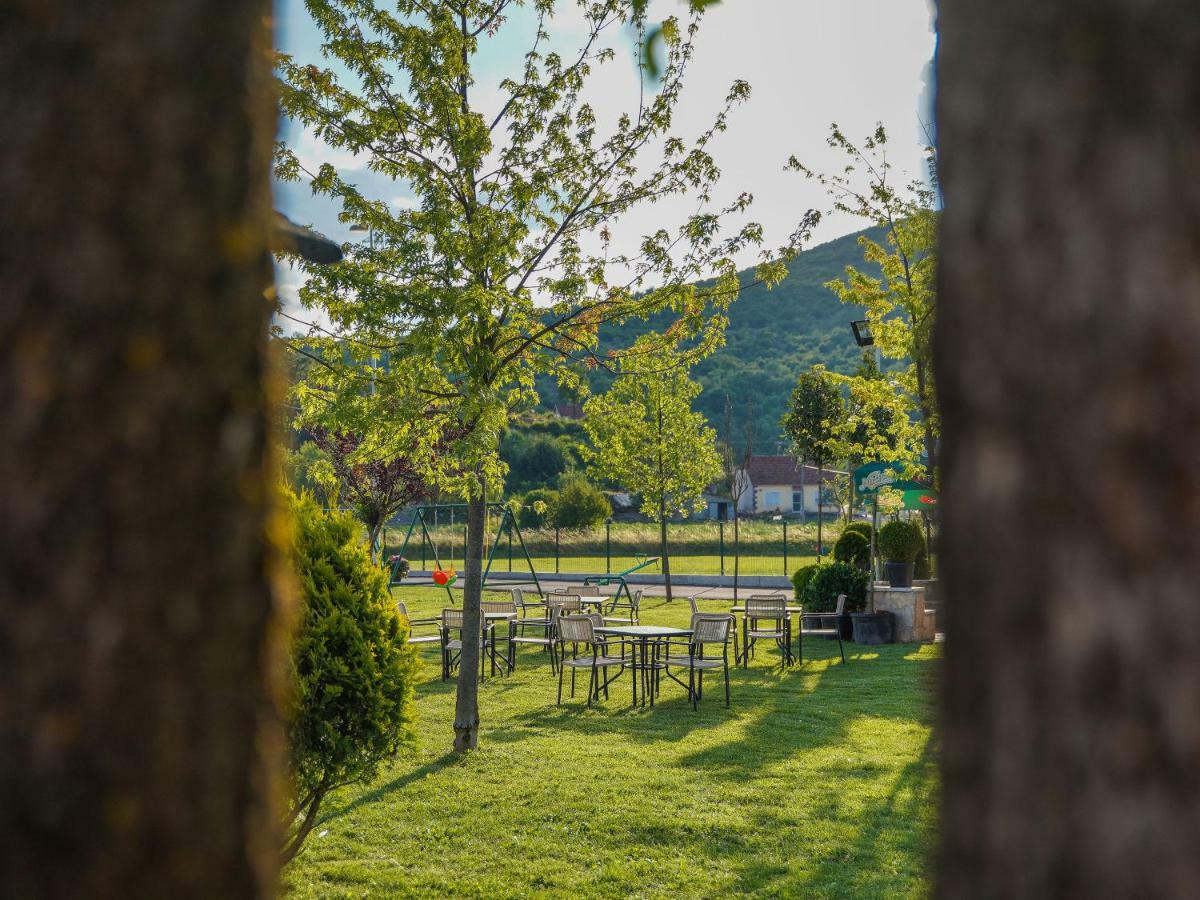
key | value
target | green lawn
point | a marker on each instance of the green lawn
(819, 781)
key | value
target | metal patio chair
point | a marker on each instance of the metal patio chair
(579, 631)
(452, 621)
(823, 629)
(709, 631)
(632, 606)
(413, 624)
(766, 618)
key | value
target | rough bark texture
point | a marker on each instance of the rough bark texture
(137, 619)
(1068, 361)
(466, 705)
(662, 536)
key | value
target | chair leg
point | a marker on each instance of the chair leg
(692, 685)
(727, 680)
(593, 685)
(841, 649)
(560, 682)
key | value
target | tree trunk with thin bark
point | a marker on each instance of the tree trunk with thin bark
(1068, 361)
(140, 545)
(466, 706)
(662, 534)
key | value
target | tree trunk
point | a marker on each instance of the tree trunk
(373, 540)
(466, 707)
(1067, 366)
(140, 547)
(662, 533)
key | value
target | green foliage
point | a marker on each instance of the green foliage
(771, 336)
(307, 470)
(533, 461)
(814, 418)
(579, 505)
(801, 577)
(897, 291)
(352, 671)
(821, 593)
(537, 507)
(863, 528)
(503, 267)
(646, 437)
(854, 549)
(900, 541)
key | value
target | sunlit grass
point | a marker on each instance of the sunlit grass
(819, 781)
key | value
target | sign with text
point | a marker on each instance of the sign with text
(870, 478)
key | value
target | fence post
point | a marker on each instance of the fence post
(721, 526)
(555, 549)
(785, 571)
(608, 547)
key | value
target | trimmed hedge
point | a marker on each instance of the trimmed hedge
(854, 549)
(900, 542)
(821, 592)
(801, 577)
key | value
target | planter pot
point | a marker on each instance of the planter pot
(874, 628)
(900, 575)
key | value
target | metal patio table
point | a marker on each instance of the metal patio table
(644, 661)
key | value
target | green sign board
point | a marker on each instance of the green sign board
(920, 499)
(870, 478)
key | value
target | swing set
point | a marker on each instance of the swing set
(443, 577)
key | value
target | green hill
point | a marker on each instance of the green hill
(772, 337)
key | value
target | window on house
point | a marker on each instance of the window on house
(771, 499)
(798, 501)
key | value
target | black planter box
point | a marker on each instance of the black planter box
(874, 628)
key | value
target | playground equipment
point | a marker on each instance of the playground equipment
(618, 578)
(445, 576)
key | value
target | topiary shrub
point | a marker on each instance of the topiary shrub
(801, 578)
(536, 506)
(352, 670)
(854, 549)
(863, 528)
(921, 569)
(580, 505)
(821, 592)
(900, 542)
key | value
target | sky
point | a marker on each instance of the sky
(810, 63)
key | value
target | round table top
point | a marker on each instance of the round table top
(643, 630)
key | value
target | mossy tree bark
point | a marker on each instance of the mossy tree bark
(138, 546)
(1068, 364)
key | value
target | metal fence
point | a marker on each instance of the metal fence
(694, 548)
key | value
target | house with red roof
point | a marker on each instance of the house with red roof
(780, 485)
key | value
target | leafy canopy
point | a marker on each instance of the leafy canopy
(506, 265)
(646, 437)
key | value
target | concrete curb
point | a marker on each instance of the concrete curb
(726, 581)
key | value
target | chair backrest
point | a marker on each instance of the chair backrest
(710, 628)
(498, 606)
(518, 596)
(692, 604)
(587, 590)
(766, 607)
(576, 630)
(402, 608)
(452, 618)
(565, 602)
(841, 604)
(635, 599)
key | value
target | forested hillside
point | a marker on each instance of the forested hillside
(772, 337)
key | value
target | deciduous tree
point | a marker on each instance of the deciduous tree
(645, 436)
(506, 265)
(814, 424)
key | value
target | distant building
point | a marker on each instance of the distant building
(568, 410)
(778, 484)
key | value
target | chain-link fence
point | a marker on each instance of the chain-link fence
(753, 547)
